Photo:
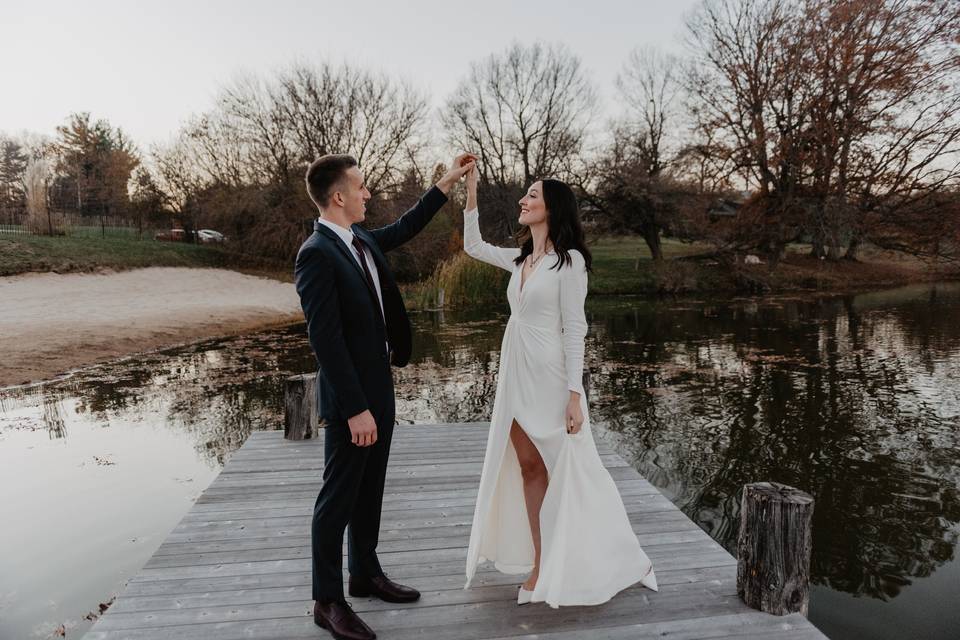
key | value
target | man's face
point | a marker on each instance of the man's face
(354, 194)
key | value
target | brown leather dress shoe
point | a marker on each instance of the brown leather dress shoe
(383, 588)
(339, 619)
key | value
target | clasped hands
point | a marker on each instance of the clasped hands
(460, 167)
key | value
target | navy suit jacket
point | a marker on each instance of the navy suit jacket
(344, 324)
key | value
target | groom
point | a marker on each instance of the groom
(357, 326)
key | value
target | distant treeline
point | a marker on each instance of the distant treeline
(832, 122)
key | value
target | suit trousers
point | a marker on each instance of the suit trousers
(351, 498)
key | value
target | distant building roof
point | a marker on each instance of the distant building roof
(724, 207)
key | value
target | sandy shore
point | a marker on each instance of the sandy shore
(51, 323)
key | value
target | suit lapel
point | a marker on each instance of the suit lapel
(378, 257)
(344, 249)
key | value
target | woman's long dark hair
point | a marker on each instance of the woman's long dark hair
(563, 225)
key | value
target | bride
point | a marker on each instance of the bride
(546, 505)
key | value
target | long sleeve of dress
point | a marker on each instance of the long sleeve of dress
(573, 293)
(475, 247)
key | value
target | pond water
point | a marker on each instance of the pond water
(853, 398)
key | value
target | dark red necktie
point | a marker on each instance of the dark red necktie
(358, 245)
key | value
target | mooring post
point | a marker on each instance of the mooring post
(774, 548)
(299, 406)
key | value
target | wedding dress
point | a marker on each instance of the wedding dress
(588, 549)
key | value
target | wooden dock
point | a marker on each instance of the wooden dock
(238, 564)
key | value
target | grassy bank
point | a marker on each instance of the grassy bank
(62, 254)
(623, 266)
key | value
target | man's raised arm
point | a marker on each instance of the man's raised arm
(413, 221)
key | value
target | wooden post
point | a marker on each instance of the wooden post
(299, 406)
(774, 547)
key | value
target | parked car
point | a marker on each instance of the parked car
(173, 235)
(203, 236)
(209, 236)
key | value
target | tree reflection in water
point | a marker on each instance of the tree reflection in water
(853, 399)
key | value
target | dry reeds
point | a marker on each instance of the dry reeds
(462, 282)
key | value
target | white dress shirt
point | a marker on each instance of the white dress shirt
(347, 236)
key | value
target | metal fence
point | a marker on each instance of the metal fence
(69, 223)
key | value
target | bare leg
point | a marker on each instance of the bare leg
(534, 474)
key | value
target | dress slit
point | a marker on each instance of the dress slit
(532, 441)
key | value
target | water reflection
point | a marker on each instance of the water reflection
(851, 398)
(218, 391)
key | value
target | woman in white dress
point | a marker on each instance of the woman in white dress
(546, 505)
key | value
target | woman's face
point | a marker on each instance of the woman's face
(533, 210)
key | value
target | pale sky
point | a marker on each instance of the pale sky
(147, 66)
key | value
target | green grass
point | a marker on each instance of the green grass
(115, 232)
(85, 231)
(20, 254)
(620, 266)
(631, 247)
(623, 265)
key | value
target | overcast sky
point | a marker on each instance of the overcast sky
(147, 66)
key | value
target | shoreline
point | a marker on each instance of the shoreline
(58, 323)
(681, 278)
(237, 330)
(61, 323)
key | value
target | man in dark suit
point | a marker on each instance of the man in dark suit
(357, 326)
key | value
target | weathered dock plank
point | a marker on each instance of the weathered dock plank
(238, 564)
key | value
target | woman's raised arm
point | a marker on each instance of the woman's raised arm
(473, 243)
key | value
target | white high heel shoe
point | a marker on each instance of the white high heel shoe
(523, 596)
(649, 580)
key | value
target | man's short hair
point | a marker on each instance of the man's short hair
(324, 173)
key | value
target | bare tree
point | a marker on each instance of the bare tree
(525, 113)
(649, 84)
(630, 197)
(218, 148)
(147, 199)
(344, 109)
(842, 115)
(629, 183)
(264, 133)
(178, 175)
(36, 182)
(241, 164)
(885, 122)
(705, 165)
(746, 78)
